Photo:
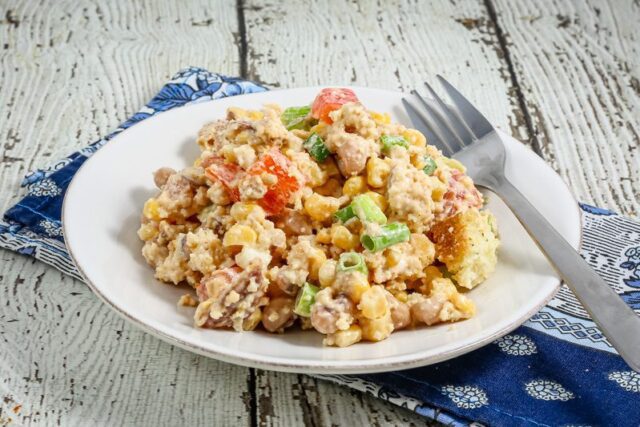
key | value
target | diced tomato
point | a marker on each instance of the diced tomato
(275, 163)
(218, 169)
(272, 162)
(331, 99)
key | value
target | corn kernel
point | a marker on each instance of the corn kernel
(327, 273)
(202, 312)
(358, 286)
(148, 231)
(330, 167)
(343, 238)
(464, 304)
(252, 321)
(151, 210)
(321, 208)
(344, 338)
(187, 300)
(377, 172)
(249, 255)
(236, 113)
(354, 186)
(243, 137)
(454, 164)
(423, 248)
(381, 119)
(324, 236)
(256, 115)
(438, 191)
(316, 259)
(330, 188)
(241, 210)
(432, 272)
(316, 175)
(401, 296)
(228, 153)
(415, 138)
(320, 128)
(373, 303)
(301, 133)
(239, 234)
(378, 199)
(393, 257)
(376, 329)
(395, 285)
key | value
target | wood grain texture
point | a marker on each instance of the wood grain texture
(287, 399)
(579, 65)
(560, 75)
(386, 44)
(67, 359)
(71, 72)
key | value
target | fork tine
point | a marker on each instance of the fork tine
(456, 125)
(451, 138)
(473, 118)
(422, 123)
(425, 125)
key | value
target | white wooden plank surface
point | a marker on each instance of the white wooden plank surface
(387, 44)
(579, 64)
(560, 74)
(70, 72)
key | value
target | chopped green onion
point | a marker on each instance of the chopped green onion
(430, 166)
(390, 234)
(294, 117)
(316, 148)
(389, 141)
(305, 299)
(345, 214)
(352, 261)
(367, 210)
(364, 208)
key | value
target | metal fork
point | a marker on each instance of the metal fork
(466, 135)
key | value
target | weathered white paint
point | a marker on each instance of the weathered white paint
(579, 68)
(71, 71)
(387, 44)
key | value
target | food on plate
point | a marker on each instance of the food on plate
(327, 216)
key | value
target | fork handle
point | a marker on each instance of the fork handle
(616, 319)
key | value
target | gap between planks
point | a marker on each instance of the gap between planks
(502, 42)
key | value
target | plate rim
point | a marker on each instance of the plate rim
(326, 366)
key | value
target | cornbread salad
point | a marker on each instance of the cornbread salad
(328, 216)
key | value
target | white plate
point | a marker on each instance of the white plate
(102, 213)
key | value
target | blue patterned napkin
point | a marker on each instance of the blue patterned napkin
(557, 369)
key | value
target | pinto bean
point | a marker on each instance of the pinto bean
(352, 156)
(230, 296)
(278, 314)
(284, 282)
(427, 311)
(329, 314)
(294, 223)
(400, 312)
(161, 176)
